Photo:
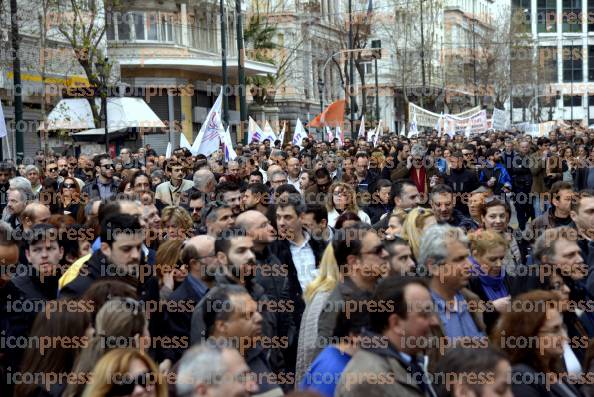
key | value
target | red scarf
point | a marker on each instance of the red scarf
(419, 179)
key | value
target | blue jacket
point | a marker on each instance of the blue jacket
(499, 172)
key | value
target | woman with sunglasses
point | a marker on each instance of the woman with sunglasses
(71, 199)
(126, 373)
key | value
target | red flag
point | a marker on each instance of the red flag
(332, 116)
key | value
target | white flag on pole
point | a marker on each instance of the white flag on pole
(207, 141)
(378, 131)
(255, 133)
(299, 134)
(362, 128)
(281, 137)
(183, 142)
(269, 133)
(3, 131)
(168, 151)
(329, 134)
(230, 153)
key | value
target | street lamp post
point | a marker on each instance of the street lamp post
(377, 45)
(103, 71)
(16, 67)
(422, 53)
(351, 69)
(224, 64)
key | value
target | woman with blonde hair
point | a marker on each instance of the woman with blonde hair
(170, 271)
(176, 223)
(489, 279)
(342, 198)
(119, 323)
(316, 295)
(414, 225)
(126, 372)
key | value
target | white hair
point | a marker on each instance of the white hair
(418, 150)
(202, 364)
(202, 178)
(434, 243)
(21, 183)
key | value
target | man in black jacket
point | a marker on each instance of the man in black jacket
(234, 250)
(199, 256)
(104, 186)
(361, 257)
(296, 249)
(119, 257)
(5, 172)
(32, 287)
(462, 180)
(271, 274)
(518, 165)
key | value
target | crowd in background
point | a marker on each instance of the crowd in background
(429, 266)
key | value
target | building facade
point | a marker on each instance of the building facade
(562, 32)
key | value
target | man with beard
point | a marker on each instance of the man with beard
(256, 197)
(31, 287)
(170, 192)
(235, 252)
(229, 193)
(198, 254)
(5, 172)
(104, 186)
(495, 176)
(442, 205)
(119, 257)
(17, 201)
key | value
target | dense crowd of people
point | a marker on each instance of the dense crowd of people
(429, 266)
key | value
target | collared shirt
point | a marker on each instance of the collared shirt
(198, 286)
(304, 260)
(104, 189)
(171, 195)
(294, 182)
(456, 319)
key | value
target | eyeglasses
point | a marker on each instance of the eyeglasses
(52, 169)
(69, 186)
(107, 166)
(72, 165)
(196, 209)
(126, 384)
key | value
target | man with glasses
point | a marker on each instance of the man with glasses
(362, 260)
(277, 179)
(104, 186)
(197, 203)
(170, 192)
(198, 255)
(52, 172)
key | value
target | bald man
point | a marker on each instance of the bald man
(271, 274)
(198, 256)
(34, 214)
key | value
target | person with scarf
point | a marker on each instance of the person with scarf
(489, 279)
